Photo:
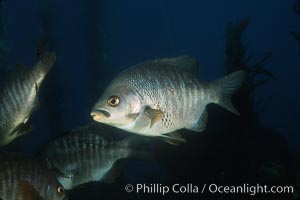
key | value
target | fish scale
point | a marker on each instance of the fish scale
(158, 97)
(90, 153)
(18, 170)
(19, 98)
(180, 92)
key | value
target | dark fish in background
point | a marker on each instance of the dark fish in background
(25, 178)
(19, 98)
(296, 7)
(158, 97)
(90, 154)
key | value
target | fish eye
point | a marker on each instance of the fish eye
(60, 190)
(113, 101)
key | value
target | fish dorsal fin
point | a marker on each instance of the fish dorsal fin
(27, 192)
(185, 62)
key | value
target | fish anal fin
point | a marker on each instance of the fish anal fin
(200, 125)
(28, 192)
(154, 114)
(173, 138)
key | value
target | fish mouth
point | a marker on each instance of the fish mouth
(98, 114)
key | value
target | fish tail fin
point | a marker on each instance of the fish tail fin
(42, 45)
(46, 58)
(140, 148)
(46, 61)
(228, 86)
(44, 65)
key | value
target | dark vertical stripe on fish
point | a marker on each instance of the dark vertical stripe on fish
(13, 107)
(90, 152)
(21, 95)
(76, 153)
(14, 93)
(4, 107)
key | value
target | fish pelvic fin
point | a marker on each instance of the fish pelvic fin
(22, 129)
(228, 86)
(173, 138)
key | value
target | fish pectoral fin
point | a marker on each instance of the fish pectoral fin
(154, 114)
(25, 129)
(200, 125)
(114, 172)
(27, 191)
(173, 138)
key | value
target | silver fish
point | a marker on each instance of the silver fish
(26, 178)
(18, 98)
(90, 154)
(158, 97)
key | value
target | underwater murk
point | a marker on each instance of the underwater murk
(149, 99)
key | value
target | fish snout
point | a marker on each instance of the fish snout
(98, 114)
